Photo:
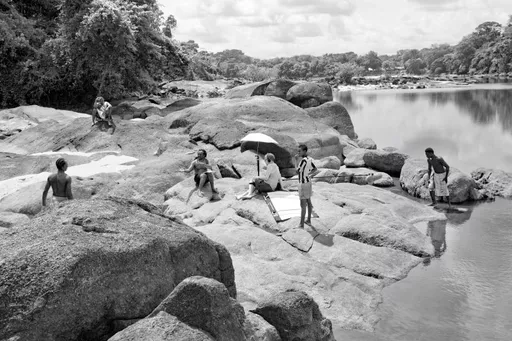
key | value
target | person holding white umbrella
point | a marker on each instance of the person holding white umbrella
(266, 183)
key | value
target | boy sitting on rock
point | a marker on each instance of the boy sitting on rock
(102, 111)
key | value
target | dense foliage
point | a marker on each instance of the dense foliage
(59, 52)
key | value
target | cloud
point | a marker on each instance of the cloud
(308, 29)
(438, 5)
(330, 7)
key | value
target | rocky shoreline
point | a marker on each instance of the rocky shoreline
(417, 82)
(138, 253)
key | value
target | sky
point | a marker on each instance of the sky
(283, 28)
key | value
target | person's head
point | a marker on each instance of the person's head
(269, 157)
(201, 154)
(303, 150)
(429, 152)
(99, 100)
(61, 164)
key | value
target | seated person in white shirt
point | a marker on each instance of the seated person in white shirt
(265, 183)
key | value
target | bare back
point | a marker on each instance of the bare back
(61, 185)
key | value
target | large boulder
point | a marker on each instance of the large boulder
(334, 115)
(367, 143)
(229, 120)
(279, 88)
(257, 329)
(355, 158)
(73, 271)
(331, 162)
(10, 219)
(388, 162)
(414, 180)
(296, 317)
(495, 181)
(204, 303)
(247, 90)
(162, 327)
(307, 95)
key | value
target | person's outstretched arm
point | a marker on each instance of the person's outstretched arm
(69, 192)
(45, 192)
(189, 169)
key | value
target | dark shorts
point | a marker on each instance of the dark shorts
(197, 179)
(262, 186)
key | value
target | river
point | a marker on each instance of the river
(465, 294)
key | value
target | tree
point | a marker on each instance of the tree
(415, 66)
(170, 25)
(370, 61)
(347, 71)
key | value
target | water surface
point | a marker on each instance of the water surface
(465, 294)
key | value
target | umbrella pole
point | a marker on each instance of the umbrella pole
(258, 158)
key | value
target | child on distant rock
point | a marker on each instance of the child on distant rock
(60, 183)
(102, 111)
(440, 177)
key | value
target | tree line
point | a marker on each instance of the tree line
(63, 52)
(487, 50)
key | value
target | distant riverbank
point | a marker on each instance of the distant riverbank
(405, 82)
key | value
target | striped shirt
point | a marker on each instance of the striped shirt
(306, 165)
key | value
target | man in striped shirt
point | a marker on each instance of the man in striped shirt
(306, 170)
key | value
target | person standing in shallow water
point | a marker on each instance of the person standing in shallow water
(306, 169)
(60, 183)
(440, 177)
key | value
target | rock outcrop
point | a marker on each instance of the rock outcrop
(494, 181)
(388, 162)
(414, 180)
(223, 124)
(204, 303)
(335, 116)
(307, 95)
(162, 327)
(296, 317)
(87, 264)
(247, 90)
(367, 143)
(345, 285)
(279, 88)
(355, 158)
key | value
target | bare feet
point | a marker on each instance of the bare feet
(300, 227)
(431, 204)
(308, 222)
(200, 194)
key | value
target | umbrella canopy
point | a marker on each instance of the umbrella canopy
(258, 137)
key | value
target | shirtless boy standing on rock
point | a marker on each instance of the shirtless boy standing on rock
(60, 183)
(439, 185)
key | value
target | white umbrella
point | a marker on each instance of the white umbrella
(258, 138)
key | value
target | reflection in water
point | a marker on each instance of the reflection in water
(437, 232)
(469, 127)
